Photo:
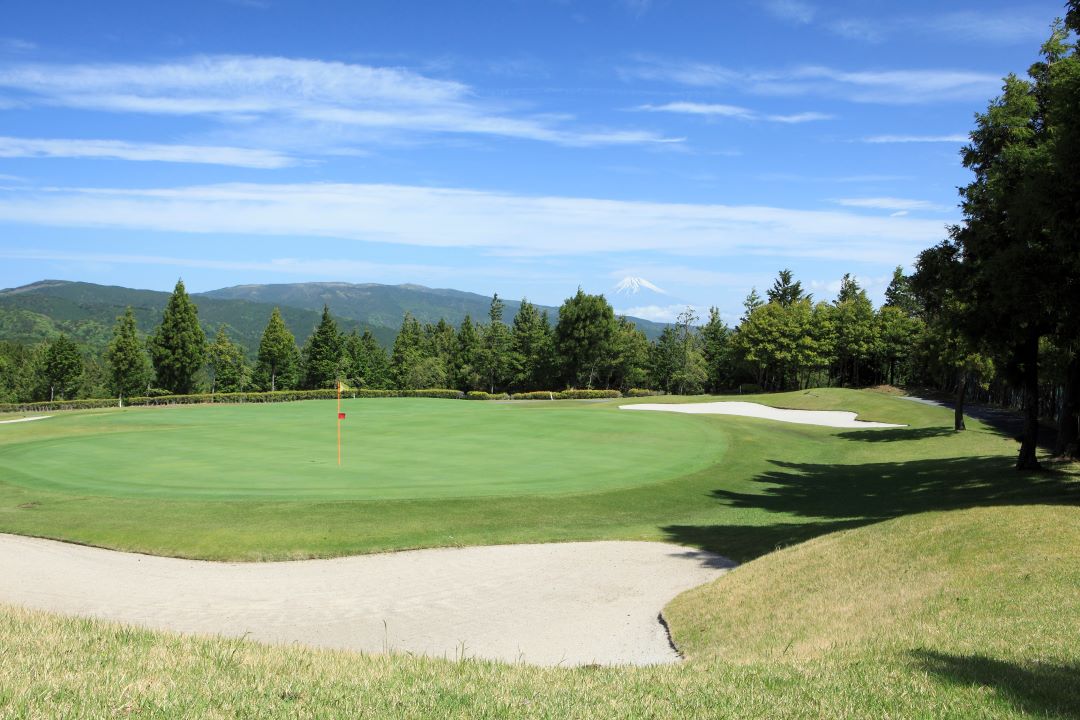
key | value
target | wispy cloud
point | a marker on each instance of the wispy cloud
(884, 139)
(16, 46)
(893, 87)
(731, 111)
(496, 222)
(153, 152)
(309, 95)
(890, 203)
(794, 11)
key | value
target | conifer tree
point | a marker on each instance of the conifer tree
(225, 362)
(323, 354)
(531, 349)
(368, 365)
(277, 365)
(178, 346)
(495, 357)
(62, 366)
(583, 337)
(408, 353)
(129, 367)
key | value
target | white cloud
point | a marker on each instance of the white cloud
(656, 313)
(312, 94)
(895, 87)
(16, 46)
(890, 203)
(116, 149)
(794, 11)
(733, 111)
(496, 222)
(954, 138)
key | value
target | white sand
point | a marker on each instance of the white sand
(26, 419)
(826, 418)
(568, 603)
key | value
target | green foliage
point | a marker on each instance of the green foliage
(641, 392)
(481, 395)
(61, 367)
(717, 352)
(130, 372)
(629, 363)
(408, 355)
(178, 346)
(532, 348)
(583, 337)
(467, 358)
(278, 363)
(324, 354)
(367, 364)
(495, 358)
(225, 361)
(785, 290)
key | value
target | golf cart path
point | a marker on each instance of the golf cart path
(825, 418)
(25, 419)
(549, 604)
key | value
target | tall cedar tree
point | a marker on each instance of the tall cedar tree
(368, 365)
(531, 349)
(786, 290)
(583, 337)
(467, 359)
(277, 365)
(129, 367)
(225, 361)
(62, 367)
(495, 357)
(408, 355)
(715, 341)
(323, 354)
(178, 346)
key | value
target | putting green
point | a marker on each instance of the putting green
(393, 449)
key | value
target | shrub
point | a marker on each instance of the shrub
(642, 392)
(481, 395)
(535, 395)
(588, 394)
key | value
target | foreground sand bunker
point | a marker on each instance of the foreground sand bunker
(825, 418)
(566, 603)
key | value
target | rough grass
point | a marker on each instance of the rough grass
(962, 614)
(764, 484)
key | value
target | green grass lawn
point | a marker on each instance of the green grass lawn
(261, 482)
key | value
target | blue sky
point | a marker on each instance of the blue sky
(523, 146)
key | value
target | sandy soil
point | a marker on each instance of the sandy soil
(26, 419)
(826, 418)
(551, 604)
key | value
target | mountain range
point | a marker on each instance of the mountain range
(87, 312)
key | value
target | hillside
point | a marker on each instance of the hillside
(87, 312)
(386, 304)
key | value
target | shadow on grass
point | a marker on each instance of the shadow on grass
(834, 497)
(896, 435)
(1046, 689)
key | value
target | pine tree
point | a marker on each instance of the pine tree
(715, 339)
(178, 346)
(129, 367)
(278, 361)
(225, 361)
(367, 363)
(531, 349)
(495, 357)
(752, 302)
(785, 290)
(467, 360)
(323, 354)
(408, 354)
(62, 366)
(583, 337)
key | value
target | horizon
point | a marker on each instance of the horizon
(524, 149)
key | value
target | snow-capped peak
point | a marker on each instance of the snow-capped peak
(634, 285)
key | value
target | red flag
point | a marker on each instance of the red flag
(341, 416)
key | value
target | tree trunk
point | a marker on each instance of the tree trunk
(1068, 436)
(961, 391)
(273, 377)
(1028, 459)
(52, 393)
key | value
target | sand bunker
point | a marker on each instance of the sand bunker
(26, 419)
(826, 418)
(566, 603)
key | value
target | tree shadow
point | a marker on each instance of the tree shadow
(896, 435)
(1048, 689)
(833, 497)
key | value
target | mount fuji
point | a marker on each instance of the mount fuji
(638, 297)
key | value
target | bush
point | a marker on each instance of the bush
(642, 392)
(588, 394)
(481, 395)
(535, 395)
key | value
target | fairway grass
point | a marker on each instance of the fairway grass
(962, 614)
(204, 482)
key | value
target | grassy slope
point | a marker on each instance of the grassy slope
(776, 485)
(963, 614)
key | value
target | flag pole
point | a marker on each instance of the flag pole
(339, 423)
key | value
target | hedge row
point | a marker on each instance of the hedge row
(642, 392)
(567, 395)
(240, 397)
(291, 395)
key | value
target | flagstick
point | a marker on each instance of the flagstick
(339, 423)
